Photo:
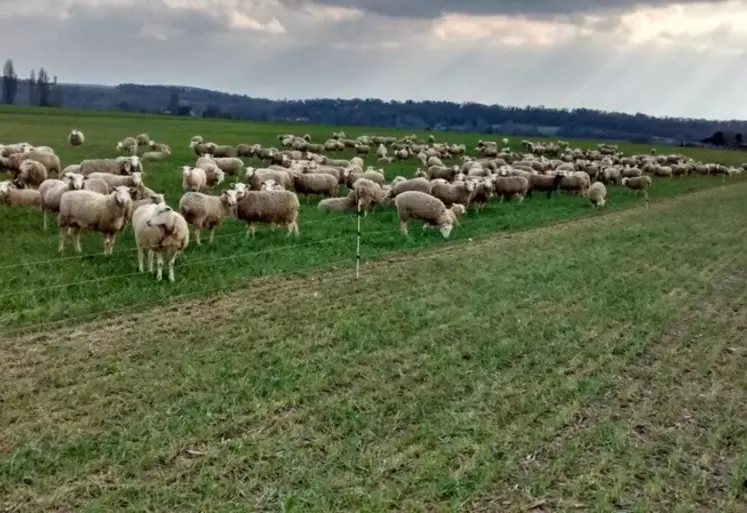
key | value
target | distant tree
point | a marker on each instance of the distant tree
(10, 83)
(173, 106)
(42, 87)
(32, 88)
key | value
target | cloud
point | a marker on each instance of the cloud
(631, 56)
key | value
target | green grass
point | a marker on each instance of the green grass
(483, 376)
(39, 286)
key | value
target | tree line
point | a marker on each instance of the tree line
(40, 90)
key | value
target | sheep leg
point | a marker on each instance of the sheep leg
(212, 235)
(112, 240)
(44, 212)
(63, 235)
(171, 267)
(403, 227)
(139, 258)
(159, 262)
(150, 260)
(106, 244)
(197, 236)
(77, 241)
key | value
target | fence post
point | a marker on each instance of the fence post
(358, 245)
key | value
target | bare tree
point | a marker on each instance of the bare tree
(10, 83)
(42, 87)
(32, 88)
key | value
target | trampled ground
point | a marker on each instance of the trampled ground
(593, 366)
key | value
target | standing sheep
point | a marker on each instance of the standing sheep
(13, 197)
(76, 138)
(430, 210)
(193, 179)
(30, 174)
(597, 194)
(128, 145)
(160, 230)
(638, 183)
(316, 183)
(461, 192)
(88, 210)
(51, 191)
(205, 211)
(271, 207)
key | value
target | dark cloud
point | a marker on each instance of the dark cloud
(529, 8)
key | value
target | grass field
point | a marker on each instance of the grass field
(41, 286)
(597, 366)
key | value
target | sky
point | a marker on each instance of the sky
(685, 59)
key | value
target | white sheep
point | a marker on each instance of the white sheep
(430, 210)
(133, 180)
(193, 179)
(31, 174)
(272, 207)
(205, 211)
(128, 145)
(159, 229)
(597, 194)
(88, 210)
(14, 197)
(76, 138)
(51, 191)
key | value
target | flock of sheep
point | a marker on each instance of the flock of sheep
(104, 195)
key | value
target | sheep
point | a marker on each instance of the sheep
(159, 148)
(273, 207)
(128, 145)
(548, 183)
(347, 204)
(14, 197)
(143, 196)
(508, 187)
(224, 151)
(197, 139)
(201, 148)
(205, 211)
(449, 194)
(134, 180)
(51, 190)
(368, 194)
(316, 183)
(120, 166)
(430, 210)
(193, 179)
(597, 194)
(95, 184)
(413, 184)
(638, 183)
(160, 230)
(381, 151)
(50, 160)
(370, 174)
(143, 140)
(574, 184)
(229, 165)
(31, 174)
(255, 177)
(76, 138)
(88, 210)
(44, 149)
(268, 185)
(154, 156)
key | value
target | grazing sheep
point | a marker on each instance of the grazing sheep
(224, 151)
(316, 183)
(128, 145)
(229, 165)
(544, 183)
(14, 197)
(113, 181)
(205, 211)
(201, 148)
(597, 194)
(160, 230)
(88, 210)
(430, 210)
(51, 190)
(346, 204)
(142, 140)
(449, 194)
(370, 174)
(268, 185)
(154, 156)
(272, 207)
(400, 185)
(119, 166)
(159, 148)
(574, 184)
(368, 194)
(508, 187)
(30, 174)
(49, 160)
(638, 183)
(76, 138)
(194, 179)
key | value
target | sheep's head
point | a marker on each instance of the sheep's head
(75, 181)
(163, 217)
(230, 197)
(239, 187)
(122, 195)
(120, 146)
(137, 178)
(220, 176)
(249, 173)
(446, 228)
(469, 186)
